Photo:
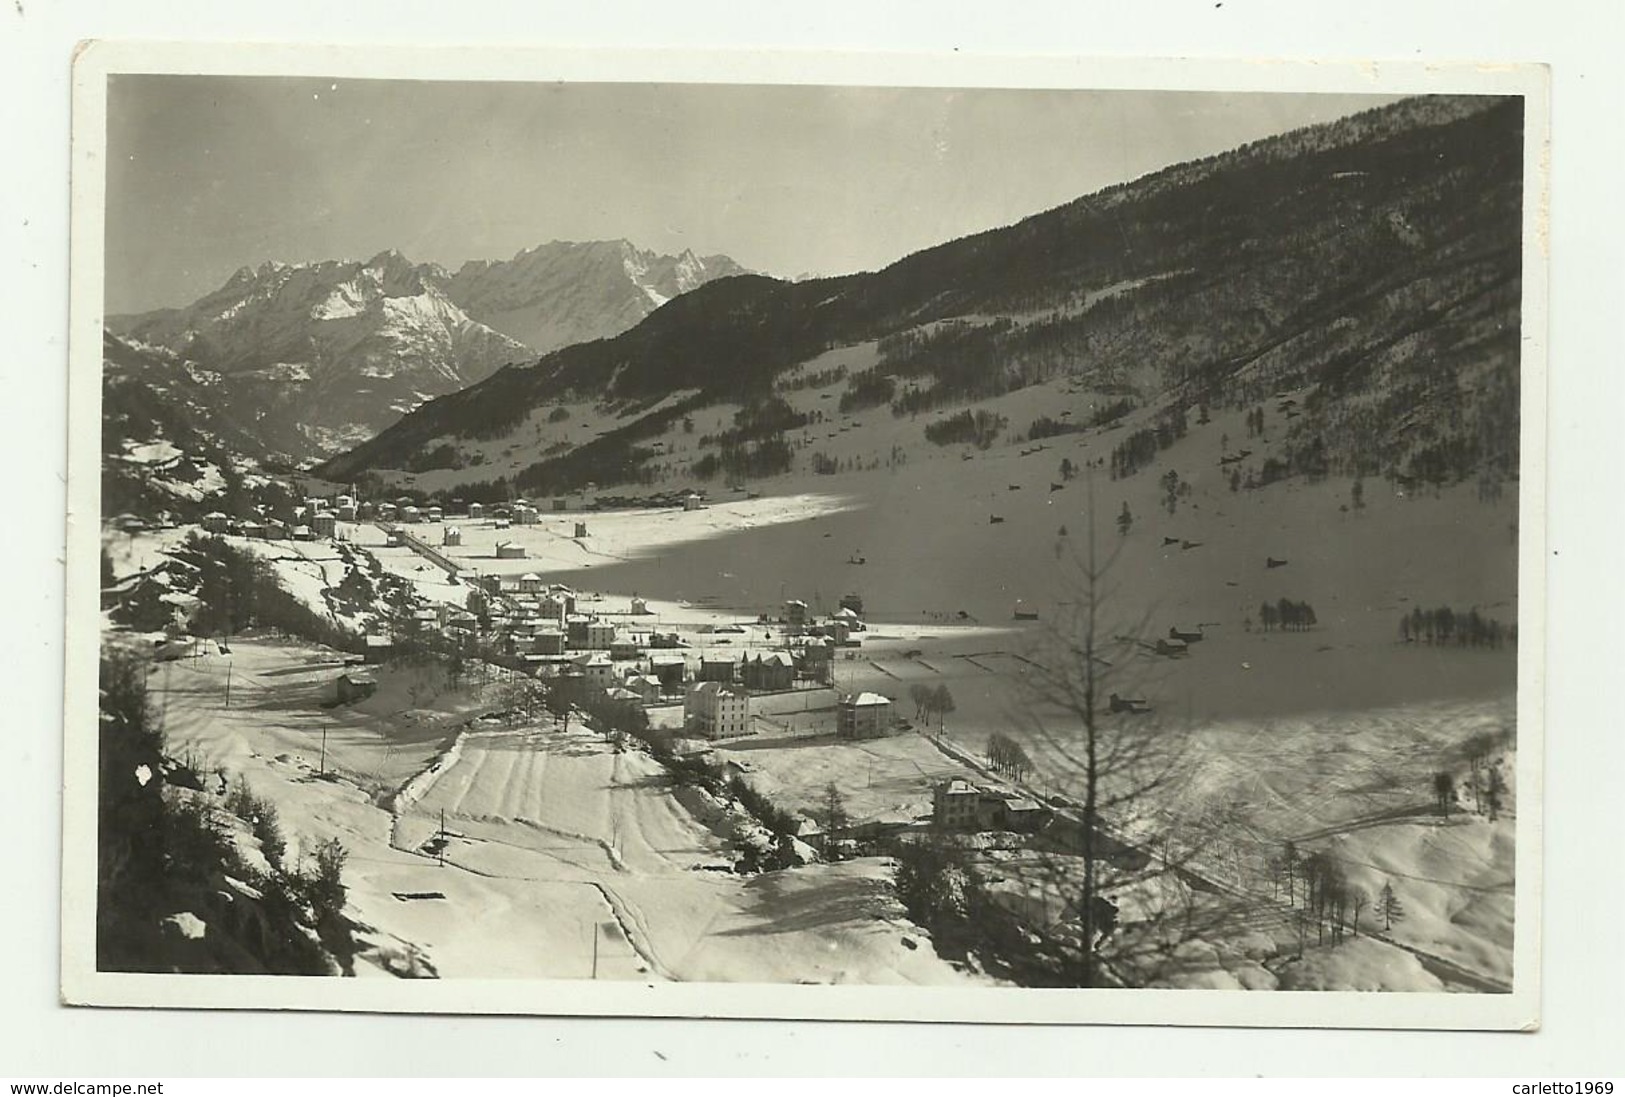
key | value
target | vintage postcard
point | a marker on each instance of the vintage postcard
(775, 535)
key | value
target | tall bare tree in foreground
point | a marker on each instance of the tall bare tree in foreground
(1130, 840)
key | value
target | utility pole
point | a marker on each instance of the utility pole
(442, 843)
(321, 767)
(228, 684)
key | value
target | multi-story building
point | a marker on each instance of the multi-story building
(863, 716)
(716, 711)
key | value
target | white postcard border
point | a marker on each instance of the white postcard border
(83, 985)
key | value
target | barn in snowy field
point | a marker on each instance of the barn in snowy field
(355, 685)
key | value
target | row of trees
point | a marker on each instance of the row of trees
(1287, 615)
(931, 702)
(1463, 629)
(1329, 898)
(768, 457)
(1007, 757)
(978, 428)
(1141, 448)
(867, 389)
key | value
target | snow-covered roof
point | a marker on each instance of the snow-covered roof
(721, 688)
(866, 699)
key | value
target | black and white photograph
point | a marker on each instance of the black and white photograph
(806, 546)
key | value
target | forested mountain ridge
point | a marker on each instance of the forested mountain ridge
(1373, 263)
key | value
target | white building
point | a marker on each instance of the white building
(716, 711)
(600, 635)
(596, 669)
(864, 716)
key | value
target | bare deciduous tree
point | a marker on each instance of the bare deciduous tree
(1128, 836)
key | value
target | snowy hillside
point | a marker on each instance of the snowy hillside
(1272, 268)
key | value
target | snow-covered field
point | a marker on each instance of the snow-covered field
(554, 838)
(620, 536)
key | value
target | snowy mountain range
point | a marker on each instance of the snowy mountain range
(335, 351)
(560, 293)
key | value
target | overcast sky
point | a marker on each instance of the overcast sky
(208, 174)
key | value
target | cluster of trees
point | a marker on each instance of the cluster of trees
(1141, 448)
(978, 428)
(1319, 881)
(794, 380)
(1287, 615)
(164, 845)
(867, 389)
(238, 590)
(1255, 422)
(1463, 629)
(945, 891)
(607, 459)
(958, 354)
(1487, 786)
(1173, 490)
(1484, 781)
(443, 456)
(1111, 412)
(1045, 427)
(931, 702)
(768, 418)
(1007, 757)
(769, 457)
